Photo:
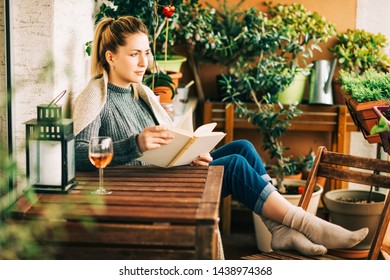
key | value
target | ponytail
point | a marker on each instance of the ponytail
(109, 35)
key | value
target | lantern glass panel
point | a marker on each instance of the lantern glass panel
(45, 162)
(71, 160)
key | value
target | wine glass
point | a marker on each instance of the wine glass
(100, 154)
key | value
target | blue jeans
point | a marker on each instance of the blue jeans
(245, 177)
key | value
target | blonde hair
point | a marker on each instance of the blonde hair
(111, 33)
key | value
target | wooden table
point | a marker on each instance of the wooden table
(152, 213)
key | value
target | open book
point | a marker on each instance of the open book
(186, 146)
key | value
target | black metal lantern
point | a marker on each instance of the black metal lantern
(50, 151)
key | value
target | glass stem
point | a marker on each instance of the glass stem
(101, 179)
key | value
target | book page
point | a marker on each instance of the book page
(197, 146)
(165, 154)
(186, 122)
(205, 129)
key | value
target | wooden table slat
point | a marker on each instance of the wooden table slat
(156, 234)
(117, 200)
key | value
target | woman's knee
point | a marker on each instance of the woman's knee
(243, 144)
(235, 161)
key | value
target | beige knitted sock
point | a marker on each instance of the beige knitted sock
(322, 232)
(285, 238)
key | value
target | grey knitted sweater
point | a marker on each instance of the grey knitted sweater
(122, 117)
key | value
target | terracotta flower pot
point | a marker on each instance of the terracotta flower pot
(165, 93)
(364, 116)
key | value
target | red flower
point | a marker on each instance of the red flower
(168, 11)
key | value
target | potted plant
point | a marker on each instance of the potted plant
(357, 51)
(163, 85)
(305, 31)
(354, 209)
(225, 37)
(362, 92)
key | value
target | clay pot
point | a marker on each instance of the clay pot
(165, 93)
(344, 211)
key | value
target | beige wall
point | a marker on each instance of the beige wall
(44, 31)
(3, 119)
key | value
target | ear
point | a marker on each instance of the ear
(110, 58)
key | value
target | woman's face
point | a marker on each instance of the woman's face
(129, 63)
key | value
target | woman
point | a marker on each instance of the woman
(115, 103)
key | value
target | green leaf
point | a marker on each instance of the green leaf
(382, 126)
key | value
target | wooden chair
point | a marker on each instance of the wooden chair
(337, 166)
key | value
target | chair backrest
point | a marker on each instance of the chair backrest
(336, 166)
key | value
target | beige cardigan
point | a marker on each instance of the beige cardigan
(91, 100)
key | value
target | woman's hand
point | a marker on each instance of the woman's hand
(203, 160)
(154, 137)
